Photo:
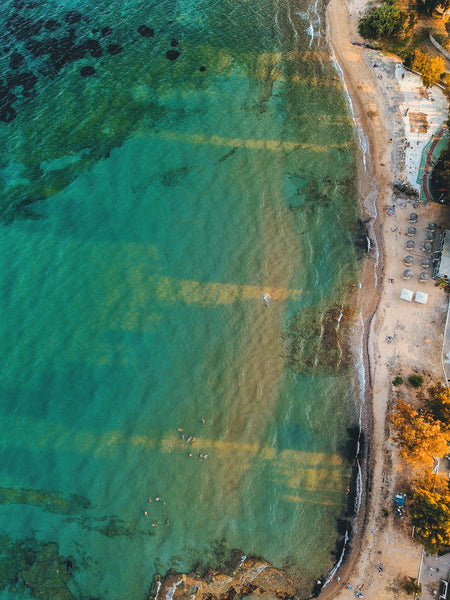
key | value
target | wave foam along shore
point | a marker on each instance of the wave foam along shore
(393, 107)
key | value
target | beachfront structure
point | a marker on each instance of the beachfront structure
(442, 257)
(407, 295)
(421, 297)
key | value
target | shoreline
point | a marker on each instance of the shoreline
(376, 112)
(374, 164)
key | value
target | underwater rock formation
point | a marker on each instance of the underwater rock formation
(249, 577)
(317, 339)
(29, 567)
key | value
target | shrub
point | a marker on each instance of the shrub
(397, 381)
(416, 380)
(411, 587)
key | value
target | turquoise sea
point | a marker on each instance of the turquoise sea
(178, 246)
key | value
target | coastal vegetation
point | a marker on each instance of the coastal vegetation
(422, 432)
(387, 20)
(416, 380)
(431, 68)
(406, 32)
(422, 439)
(429, 512)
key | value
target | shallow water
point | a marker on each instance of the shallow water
(146, 211)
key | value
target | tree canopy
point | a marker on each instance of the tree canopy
(430, 67)
(428, 6)
(439, 403)
(421, 439)
(430, 513)
(386, 20)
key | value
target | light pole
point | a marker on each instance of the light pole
(420, 571)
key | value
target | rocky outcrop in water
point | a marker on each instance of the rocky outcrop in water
(250, 577)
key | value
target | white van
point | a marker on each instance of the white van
(443, 590)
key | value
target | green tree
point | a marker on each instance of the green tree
(422, 440)
(439, 402)
(397, 381)
(430, 513)
(385, 21)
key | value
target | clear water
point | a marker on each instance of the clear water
(146, 210)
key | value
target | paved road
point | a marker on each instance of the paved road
(434, 569)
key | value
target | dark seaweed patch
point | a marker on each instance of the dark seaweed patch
(16, 60)
(145, 31)
(114, 49)
(72, 17)
(7, 114)
(42, 47)
(106, 31)
(26, 81)
(94, 48)
(172, 54)
(174, 42)
(361, 239)
(52, 25)
(351, 446)
(23, 28)
(87, 71)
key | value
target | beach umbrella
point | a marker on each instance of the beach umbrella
(426, 262)
(411, 231)
(408, 260)
(430, 235)
(413, 218)
(423, 277)
(427, 247)
(431, 226)
(410, 244)
(407, 274)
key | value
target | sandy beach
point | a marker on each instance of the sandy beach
(395, 117)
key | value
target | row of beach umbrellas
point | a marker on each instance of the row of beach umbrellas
(427, 247)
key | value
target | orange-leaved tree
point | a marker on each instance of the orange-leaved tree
(430, 67)
(422, 440)
(429, 511)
